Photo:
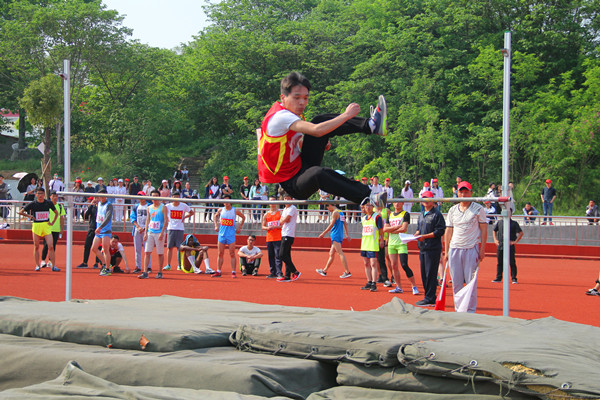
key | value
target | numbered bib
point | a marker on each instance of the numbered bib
(395, 222)
(154, 225)
(226, 222)
(367, 230)
(42, 215)
(99, 218)
(342, 217)
(176, 214)
(273, 223)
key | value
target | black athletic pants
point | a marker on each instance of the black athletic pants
(89, 239)
(383, 273)
(285, 255)
(313, 177)
(500, 265)
(430, 259)
(249, 266)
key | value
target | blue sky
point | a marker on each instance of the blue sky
(161, 23)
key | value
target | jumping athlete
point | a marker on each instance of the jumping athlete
(284, 128)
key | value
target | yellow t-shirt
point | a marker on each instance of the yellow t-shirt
(61, 212)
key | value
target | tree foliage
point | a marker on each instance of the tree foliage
(437, 61)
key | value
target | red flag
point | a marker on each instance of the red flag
(440, 302)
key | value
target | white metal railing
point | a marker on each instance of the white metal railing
(566, 230)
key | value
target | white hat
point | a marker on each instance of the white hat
(100, 178)
(89, 182)
(165, 181)
(407, 182)
(120, 180)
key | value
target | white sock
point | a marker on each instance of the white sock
(206, 262)
(192, 260)
(372, 124)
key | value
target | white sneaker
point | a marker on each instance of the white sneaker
(415, 290)
(321, 272)
(43, 264)
(197, 270)
(210, 271)
(345, 275)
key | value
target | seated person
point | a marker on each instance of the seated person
(592, 211)
(490, 209)
(192, 254)
(117, 254)
(595, 290)
(250, 256)
(529, 210)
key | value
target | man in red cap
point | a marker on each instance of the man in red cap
(387, 188)
(465, 239)
(226, 188)
(548, 196)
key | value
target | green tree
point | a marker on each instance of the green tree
(42, 100)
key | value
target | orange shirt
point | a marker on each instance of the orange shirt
(273, 220)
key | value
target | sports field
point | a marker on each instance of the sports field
(547, 287)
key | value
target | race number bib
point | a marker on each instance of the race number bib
(176, 214)
(395, 222)
(99, 218)
(367, 230)
(42, 215)
(342, 217)
(273, 223)
(226, 222)
(154, 225)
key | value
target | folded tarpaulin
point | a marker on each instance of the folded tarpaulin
(402, 379)
(546, 357)
(358, 393)
(167, 323)
(367, 337)
(74, 383)
(28, 361)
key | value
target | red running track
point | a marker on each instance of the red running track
(547, 287)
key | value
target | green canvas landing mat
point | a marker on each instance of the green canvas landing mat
(75, 384)
(28, 361)
(546, 357)
(356, 393)
(401, 379)
(368, 337)
(169, 323)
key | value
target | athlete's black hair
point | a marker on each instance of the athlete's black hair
(294, 79)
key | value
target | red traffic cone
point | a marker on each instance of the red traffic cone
(440, 302)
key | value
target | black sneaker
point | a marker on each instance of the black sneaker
(149, 270)
(497, 280)
(136, 270)
(82, 265)
(255, 272)
(373, 287)
(244, 273)
(95, 266)
(424, 303)
(143, 275)
(367, 286)
(514, 282)
(159, 275)
(117, 270)
(271, 276)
